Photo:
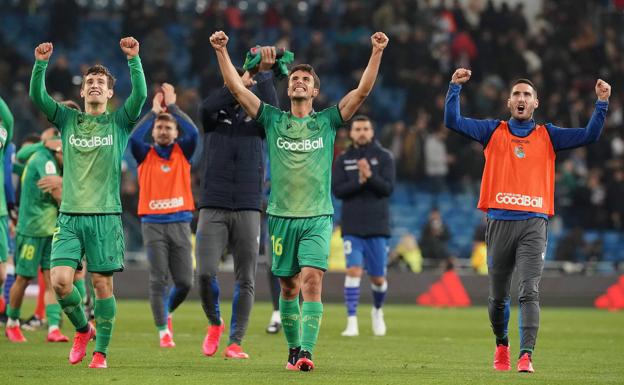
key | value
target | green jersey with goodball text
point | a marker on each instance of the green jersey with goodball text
(93, 146)
(301, 152)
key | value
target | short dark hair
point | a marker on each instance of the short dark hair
(306, 68)
(525, 81)
(99, 69)
(167, 117)
(30, 138)
(360, 118)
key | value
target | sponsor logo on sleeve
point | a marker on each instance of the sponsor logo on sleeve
(4, 134)
(50, 168)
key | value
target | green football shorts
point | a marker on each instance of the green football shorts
(30, 253)
(4, 238)
(98, 237)
(299, 242)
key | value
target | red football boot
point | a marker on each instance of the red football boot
(98, 361)
(524, 364)
(211, 342)
(501, 358)
(79, 347)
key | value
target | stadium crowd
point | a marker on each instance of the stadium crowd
(562, 49)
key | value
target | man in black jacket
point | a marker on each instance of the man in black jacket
(364, 179)
(230, 203)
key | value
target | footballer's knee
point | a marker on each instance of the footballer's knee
(102, 285)
(378, 281)
(62, 281)
(290, 287)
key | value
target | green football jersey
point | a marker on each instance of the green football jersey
(301, 152)
(6, 134)
(93, 146)
(38, 210)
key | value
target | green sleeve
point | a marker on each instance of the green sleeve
(133, 105)
(43, 165)
(333, 116)
(6, 128)
(27, 151)
(267, 116)
(40, 96)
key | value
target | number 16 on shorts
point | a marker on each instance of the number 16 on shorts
(276, 243)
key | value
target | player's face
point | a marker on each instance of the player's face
(361, 132)
(164, 132)
(522, 101)
(95, 89)
(301, 86)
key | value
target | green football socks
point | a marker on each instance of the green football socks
(291, 321)
(72, 306)
(80, 285)
(312, 313)
(105, 310)
(53, 314)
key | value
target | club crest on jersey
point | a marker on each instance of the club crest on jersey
(165, 168)
(313, 126)
(519, 151)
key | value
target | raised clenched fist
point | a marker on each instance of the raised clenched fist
(218, 40)
(379, 40)
(44, 51)
(461, 75)
(603, 90)
(129, 46)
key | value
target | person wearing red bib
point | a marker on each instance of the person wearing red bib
(517, 193)
(166, 204)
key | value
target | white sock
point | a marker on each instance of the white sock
(275, 317)
(12, 322)
(161, 333)
(52, 328)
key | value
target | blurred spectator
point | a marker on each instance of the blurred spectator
(478, 257)
(406, 256)
(59, 78)
(436, 160)
(434, 240)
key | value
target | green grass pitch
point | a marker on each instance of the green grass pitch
(423, 346)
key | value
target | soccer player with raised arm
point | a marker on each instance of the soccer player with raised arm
(89, 222)
(517, 192)
(6, 134)
(301, 144)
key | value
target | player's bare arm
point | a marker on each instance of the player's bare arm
(353, 100)
(246, 98)
(603, 90)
